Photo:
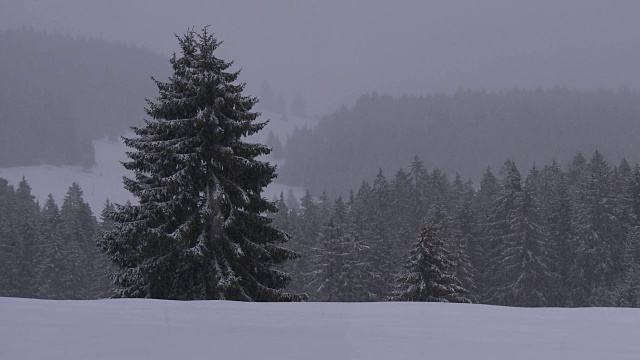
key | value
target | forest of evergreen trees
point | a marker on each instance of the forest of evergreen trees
(461, 132)
(50, 252)
(58, 93)
(550, 237)
(553, 236)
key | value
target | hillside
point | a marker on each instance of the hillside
(155, 329)
(58, 93)
(103, 179)
(464, 132)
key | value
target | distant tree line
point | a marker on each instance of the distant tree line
(58, 93)
(49, 252)
(462, 132)
(553, 237)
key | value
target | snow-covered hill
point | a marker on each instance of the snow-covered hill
(104, 180)
(154, 329)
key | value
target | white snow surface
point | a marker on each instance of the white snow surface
(104, 180)
(158, 329)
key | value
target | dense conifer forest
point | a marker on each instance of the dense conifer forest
(552, 235)
(547, 236)
(51, 252)
(538, 235)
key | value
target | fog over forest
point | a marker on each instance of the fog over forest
(334, 51)
(472, 116)
(58, 93)
(373, 160)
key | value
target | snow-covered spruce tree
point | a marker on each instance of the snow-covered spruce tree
(428, 272)
(525, 264)
(403, 220)
(378, 235)
(27, 223)
(199, 230)
(78, 231)
(463, 239)
(340, 270)
(556, 209)
(599, 236)
(497, 230)
(419, 180)
(52, 258)
(483, 203)
(9, 264)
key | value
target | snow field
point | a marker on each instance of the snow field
(156, 329)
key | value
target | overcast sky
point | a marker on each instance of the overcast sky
(334, 50)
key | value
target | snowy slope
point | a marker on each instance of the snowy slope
(104, 180)
(155, 329)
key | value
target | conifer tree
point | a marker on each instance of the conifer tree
(276, 146)
(419, 178)
(463, 240)
(52, 257)
(340, 213)
(629, 290)
(556, 206)
(402, 217)
(305, 243)
(79, 230)
(9, 271)
(635, 191)
(598, 238)
(310, 216)
(577, 170)
(428, 275)
(281, 217)
(484, 202)
(292, 201)
(324, 209)
(438, 189)
(498, 230)
(341, 269)
(379, 236)
(27, 214)
(199, 229)
(525, 263)
(103, 270)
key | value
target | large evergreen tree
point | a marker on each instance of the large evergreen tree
(199, 230)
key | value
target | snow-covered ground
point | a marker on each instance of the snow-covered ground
(104, 180)
(155, 329)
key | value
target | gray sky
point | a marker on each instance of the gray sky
(334, 50)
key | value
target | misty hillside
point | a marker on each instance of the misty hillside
(57, 93)
(462, 133)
